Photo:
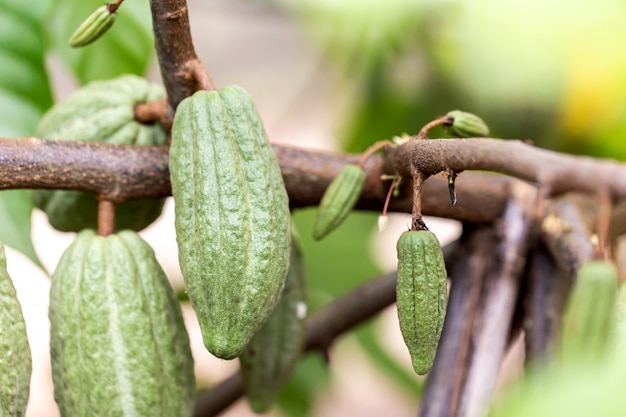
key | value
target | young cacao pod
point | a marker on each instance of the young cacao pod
(589, 320)
(467, 125)
(15, 357)
(231, 216)
(338, 200)
(274, 350)
(421, 295)
(117, 338)
(101, 111)
(94, 26)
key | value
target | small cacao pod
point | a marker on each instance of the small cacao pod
(467, 125)
(590, 315)
(15, 357)
(231, 216)
(274, 350)
(101, 111)
(421, 295)
(118, 343)
(96, 25)
(338, 200)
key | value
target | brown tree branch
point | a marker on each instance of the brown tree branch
(502, 283)
(558, 172)
(122, 172)
(544, 289)
(182, 72)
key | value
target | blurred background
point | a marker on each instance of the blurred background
(335, 75)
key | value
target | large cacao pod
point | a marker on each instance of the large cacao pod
(421, 295)
(101, 111)
(232, 216)
(118, 342)
(15, 357)
(274, 350)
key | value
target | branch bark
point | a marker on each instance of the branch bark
(558, 173)
(122, 172)
(181, 69)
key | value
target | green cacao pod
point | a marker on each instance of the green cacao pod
(589, 321)
(338, 200)
(102, 111)
(117, 338)
(231, 216)
(96, 25)
(421, 295)
(274, 350)
(467, 125)
(15, 357)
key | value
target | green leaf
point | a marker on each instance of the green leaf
(15, 211)
(24, 89)
(24, 96)
(126, 48)
(340, 262)
(310, 377)
(403, 376)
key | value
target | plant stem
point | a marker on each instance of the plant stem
(106, 217)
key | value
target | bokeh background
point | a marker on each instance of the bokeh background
(335, 75)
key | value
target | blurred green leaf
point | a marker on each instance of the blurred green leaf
(404, 377)
(341, 261)
(24, 96)
(24, 89)
(299, 394)
(126, 48)
(15, 210)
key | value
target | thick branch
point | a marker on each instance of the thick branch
(113, 172)
(122, 172)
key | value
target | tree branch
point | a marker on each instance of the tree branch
(558, 172)
(181, 69)
(122, 172)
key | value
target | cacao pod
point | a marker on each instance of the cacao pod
(590, 316)
(15, 357)
(421, 295)
(96, 25)
(338, 200)
(231, 216)
(274, 350)
(101, 111)
(467, 125)
(117, 338)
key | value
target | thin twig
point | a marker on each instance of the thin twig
(106, 217)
